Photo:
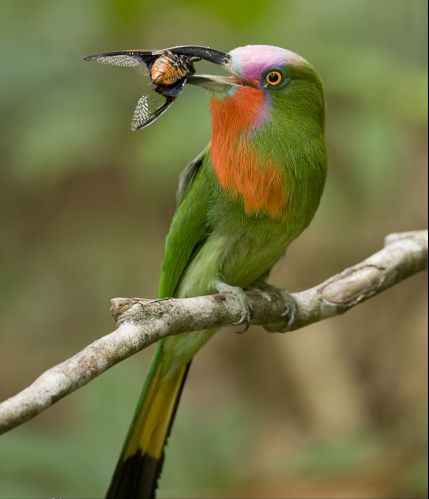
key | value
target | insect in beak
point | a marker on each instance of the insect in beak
(167, 71)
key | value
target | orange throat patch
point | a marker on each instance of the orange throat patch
(239, 168)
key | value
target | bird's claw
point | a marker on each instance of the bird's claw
(290, 307)
(242, 298)
(289, 310)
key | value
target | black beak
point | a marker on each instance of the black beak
(213, 83)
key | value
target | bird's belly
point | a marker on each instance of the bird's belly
(238, 259)
(251, 256)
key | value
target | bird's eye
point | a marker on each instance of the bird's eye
(274, 78)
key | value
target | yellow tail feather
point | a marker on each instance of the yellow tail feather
(156, 413)
(140, 464)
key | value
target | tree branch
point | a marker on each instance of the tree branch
(142, 322)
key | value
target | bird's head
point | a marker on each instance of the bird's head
(271, 78)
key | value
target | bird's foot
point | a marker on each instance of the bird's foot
(240, 295)
(289, 308)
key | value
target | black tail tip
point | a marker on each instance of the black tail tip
(136, 477)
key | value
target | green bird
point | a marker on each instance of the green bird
(243, 200)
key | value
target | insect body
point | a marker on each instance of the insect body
(169, 68)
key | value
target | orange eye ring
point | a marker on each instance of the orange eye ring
(274, 78)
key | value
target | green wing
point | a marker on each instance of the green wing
(188, 229)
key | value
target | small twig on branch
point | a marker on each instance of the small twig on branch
(142, 322)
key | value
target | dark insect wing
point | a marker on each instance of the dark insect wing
(197, 53)
(134, 57)
(148, 109)
(154, 103)
(140, 60)
(126, 58)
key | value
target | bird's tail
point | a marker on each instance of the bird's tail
(140, 464)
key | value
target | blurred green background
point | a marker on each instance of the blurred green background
(336, 410)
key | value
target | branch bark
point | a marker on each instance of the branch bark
(142, 322)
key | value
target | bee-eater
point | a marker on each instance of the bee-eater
(240, 204)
